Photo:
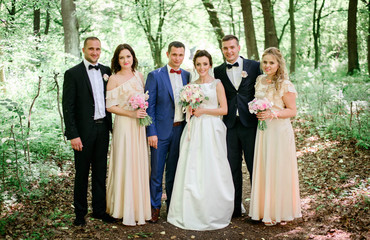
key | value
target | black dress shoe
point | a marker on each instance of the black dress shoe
(105, 217)
(237, 214)
(79, 221)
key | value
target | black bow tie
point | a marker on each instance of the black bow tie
(92, 66)
(236, 64)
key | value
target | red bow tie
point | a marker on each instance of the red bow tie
(174, 71)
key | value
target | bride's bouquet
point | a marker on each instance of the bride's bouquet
(139, 101)
(259, 105)
(191, 95)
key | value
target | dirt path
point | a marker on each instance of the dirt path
(335, 193)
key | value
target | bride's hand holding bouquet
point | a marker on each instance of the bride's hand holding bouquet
(191, 96)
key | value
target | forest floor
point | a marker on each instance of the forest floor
(335, 200)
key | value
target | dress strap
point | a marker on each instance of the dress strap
(137, 77)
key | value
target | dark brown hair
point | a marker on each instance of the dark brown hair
(230, 37)
(90, 38)
(175, 44)
(202, 53)
(115, 60)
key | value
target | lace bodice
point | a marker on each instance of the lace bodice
(209, 90)
(121, 95)
(268, 90)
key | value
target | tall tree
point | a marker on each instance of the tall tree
(70, 26)
(145, 16)
(47, 20)
(250, 35)
(271, 39)
(293, 50)
(367, 3)
(352, 37)
(316, 30)
(215, 21)
(232, 17)
(36, 20)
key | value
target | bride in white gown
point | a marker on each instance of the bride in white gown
(203, 192)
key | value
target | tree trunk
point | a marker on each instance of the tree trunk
(232, 17)
(368, 39)
(271, 39)
(36, 21)
(70, 26)
(293, 50)
(2, 74)
(47, 22)
(352, 37)
(12, 11)
(316, 31)
(215, 22)
(250, 35)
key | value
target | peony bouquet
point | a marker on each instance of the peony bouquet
(140, 102)
(191, 95)
(259, 105)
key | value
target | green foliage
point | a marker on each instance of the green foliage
(330, 103)
(334, 105)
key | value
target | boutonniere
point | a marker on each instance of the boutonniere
(244, 74)
(105, 77)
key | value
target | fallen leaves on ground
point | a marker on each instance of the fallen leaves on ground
(334, 186)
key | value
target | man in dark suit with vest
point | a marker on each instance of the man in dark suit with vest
(238, 75)
(87, 126)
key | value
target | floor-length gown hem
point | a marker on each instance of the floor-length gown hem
(203, 192)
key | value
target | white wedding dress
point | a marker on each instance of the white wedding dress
(203, 192)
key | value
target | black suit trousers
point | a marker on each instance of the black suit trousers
(94, 155)
(240, 139)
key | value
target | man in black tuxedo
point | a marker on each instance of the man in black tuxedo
(87, 126)
(238, 75)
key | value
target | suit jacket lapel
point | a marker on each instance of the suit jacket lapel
(167, 81)
(245, 67)
(183, 78)
(85, 76)
(102, 71)
(224, 76)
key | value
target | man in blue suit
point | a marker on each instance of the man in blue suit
(164, 85)
(238, 75)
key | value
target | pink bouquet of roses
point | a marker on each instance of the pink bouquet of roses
(140, 102)
(259, 105)
(191, 95)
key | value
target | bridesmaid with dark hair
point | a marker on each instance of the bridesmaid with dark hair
(128, 195)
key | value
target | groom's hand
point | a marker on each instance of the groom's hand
(76, 144)
(153, 141)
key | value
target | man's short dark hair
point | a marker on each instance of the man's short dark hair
(175, 44)
(230, 37)
(90, 38)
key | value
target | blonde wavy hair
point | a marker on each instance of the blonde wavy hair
(282, 73)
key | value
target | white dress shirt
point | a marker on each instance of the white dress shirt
(235, 73)
(176, 83)
(97, 86)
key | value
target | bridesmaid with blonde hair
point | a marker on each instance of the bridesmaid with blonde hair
(275, 186)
